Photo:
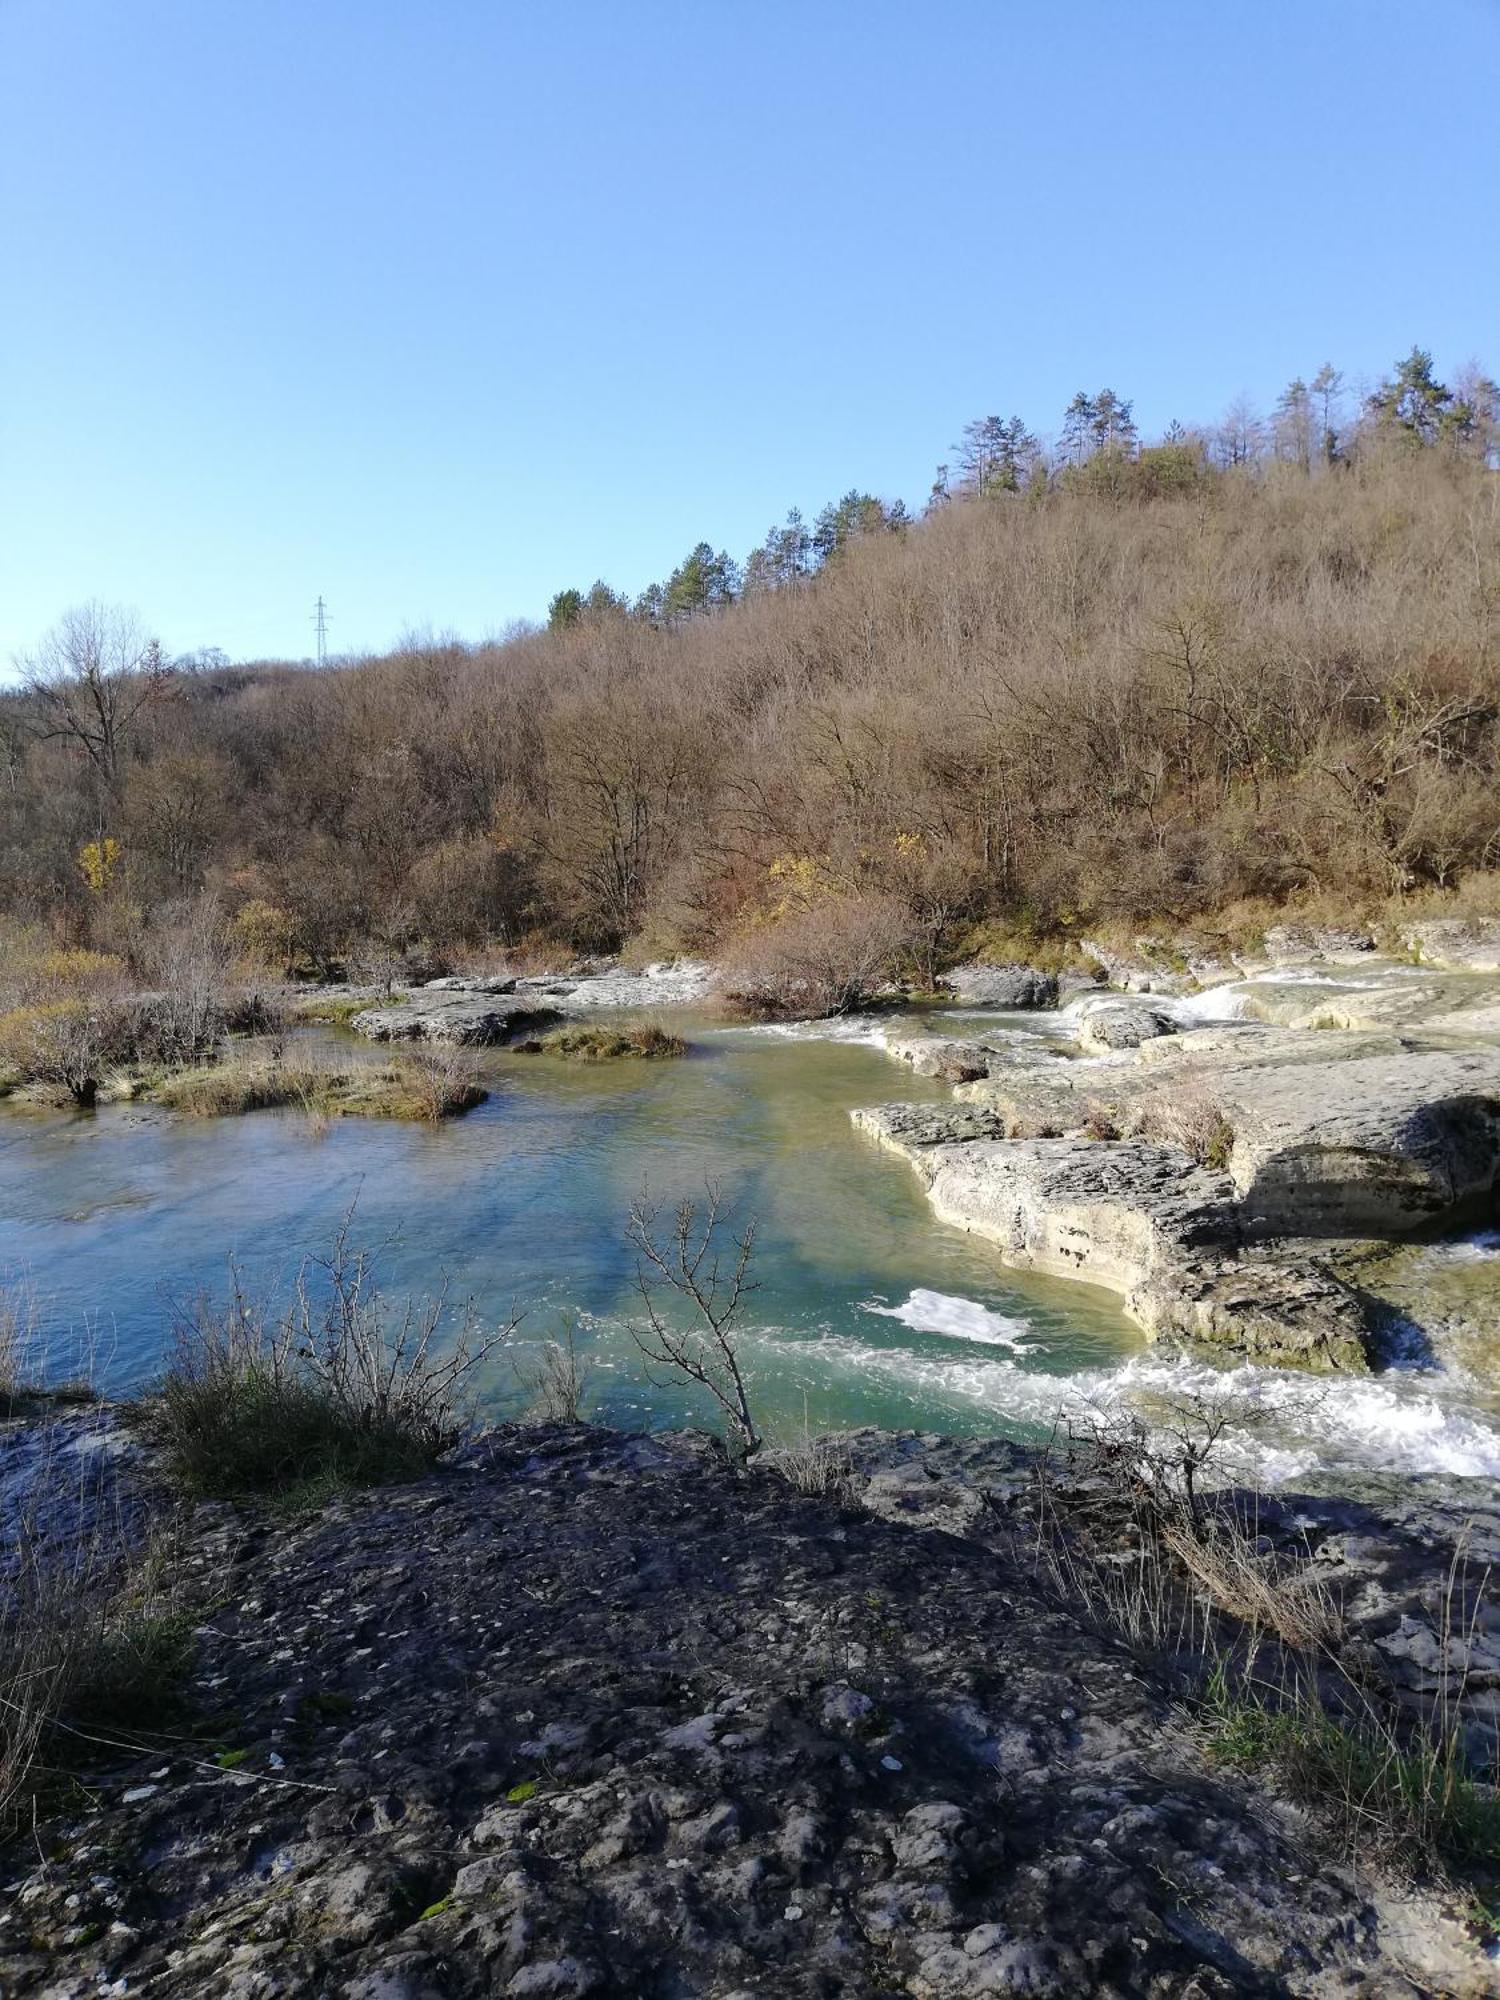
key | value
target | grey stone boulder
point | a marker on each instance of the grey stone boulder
(1306, 944)
(1154, 967)
(453, 1020)
(1001, 985)
(1105, 1025)
(480, 983)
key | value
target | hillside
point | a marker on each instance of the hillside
(1142, 689)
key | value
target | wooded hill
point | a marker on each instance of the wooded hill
(1119, 682)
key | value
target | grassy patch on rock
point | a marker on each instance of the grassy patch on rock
(406, 1086)
(334, 1007)
(1411, 1798)
(646, 1040)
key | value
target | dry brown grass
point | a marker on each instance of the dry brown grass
(1256, 1644)
(421, 1085)
(1188, 1118)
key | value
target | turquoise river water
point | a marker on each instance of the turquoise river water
(867, 1309)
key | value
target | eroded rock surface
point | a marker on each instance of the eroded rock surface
(1144, 1220)
(1002, 985)
(454, 1019)
(1470, 944)
(590, 1715)
(1218, 1176)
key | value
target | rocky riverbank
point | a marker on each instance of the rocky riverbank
(592, 1714)
(1228, 1161)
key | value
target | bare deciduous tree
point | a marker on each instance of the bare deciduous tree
(90, 679)
(694, 1265)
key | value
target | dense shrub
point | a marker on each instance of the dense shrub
(332, 1389)
(829, 958)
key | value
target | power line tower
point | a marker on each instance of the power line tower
(320, 619)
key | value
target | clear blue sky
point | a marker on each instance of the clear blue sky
(435, 306)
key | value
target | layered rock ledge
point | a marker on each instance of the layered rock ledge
(1219, 1177)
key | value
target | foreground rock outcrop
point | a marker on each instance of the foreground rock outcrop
(455, 1019)
(585, 1714)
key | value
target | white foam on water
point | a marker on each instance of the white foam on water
(856, 1028)
(1215, 1003)
(1285, 1424)
(959, 1319)
(1483, 1247)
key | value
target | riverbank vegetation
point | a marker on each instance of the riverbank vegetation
(332, 1389)
(420, 1084)
(75, 1030)
(1115, 683)
(588, 1042)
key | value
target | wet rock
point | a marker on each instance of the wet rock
(1104, 1025)
(1144, 1220)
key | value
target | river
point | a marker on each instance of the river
(867, 1310)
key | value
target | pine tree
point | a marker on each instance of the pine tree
(1080, 424)
(1292, 425)
(565, 609)
(995, 454)
(1113, 424)
(1412, 405)
(1326, 386)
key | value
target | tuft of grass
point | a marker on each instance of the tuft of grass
(335, 1008)
(1255, 1646)
(1189, 1119)
(330, 1392)
(92, 1638)
(647, 1040)
(1414, 1800)
(820, 1466)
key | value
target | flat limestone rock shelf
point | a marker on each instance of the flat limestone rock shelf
(588, 1714)
(456, 1019)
